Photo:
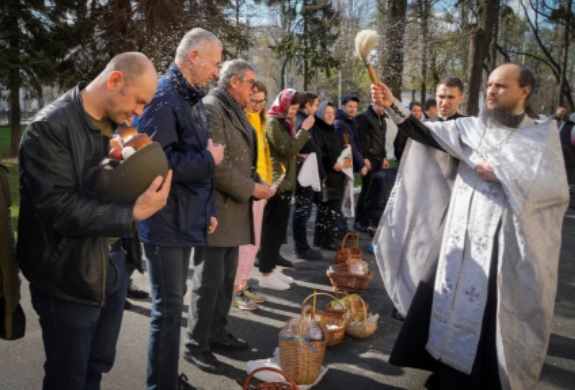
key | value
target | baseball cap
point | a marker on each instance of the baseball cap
(350, 96)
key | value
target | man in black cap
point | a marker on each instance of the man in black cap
(346, 126)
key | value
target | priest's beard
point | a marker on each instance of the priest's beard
(501, 116)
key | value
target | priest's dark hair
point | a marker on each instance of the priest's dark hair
(527, 78)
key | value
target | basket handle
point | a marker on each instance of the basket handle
(353, 238)
(324, 294)
(363, 305)
(356, 241)
(273, 369)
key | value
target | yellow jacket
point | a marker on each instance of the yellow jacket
(264, 161)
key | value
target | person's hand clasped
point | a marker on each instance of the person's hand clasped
(153, 199)
(216, 150)
(368, 164)
(485, 171)
(213, 225)
(263, 191)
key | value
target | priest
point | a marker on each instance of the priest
(468, 247)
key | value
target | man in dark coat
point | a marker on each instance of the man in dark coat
(372, 128)
(176, 118)
(346, 127)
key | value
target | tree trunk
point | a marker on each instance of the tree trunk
(14, 81)
(393, 61)
(479, 44)
(425, 13)
(15, 113)
(306, 44)
(564, 90)
(494, 43)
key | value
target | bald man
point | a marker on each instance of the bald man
(69, 245)
(469, 251)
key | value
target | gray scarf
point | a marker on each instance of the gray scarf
(224, 96)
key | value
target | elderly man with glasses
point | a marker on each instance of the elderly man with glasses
(236, 185)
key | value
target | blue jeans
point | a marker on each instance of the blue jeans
(168, 271)
(80, 339)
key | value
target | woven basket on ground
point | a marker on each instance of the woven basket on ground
(289, 383)
(334, 322)
(343, 280)
(301, 359)
(350, 302)
(359, 325)
(349, 253)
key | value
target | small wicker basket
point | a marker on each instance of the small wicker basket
(359, 326)
(349, 253)
(289, 384)
(334, 322)
(349, 303)
(343, 280)
(299, 358)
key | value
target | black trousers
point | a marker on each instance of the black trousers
(360, 213)
(274, 227)
(303, 204)
(325, 226)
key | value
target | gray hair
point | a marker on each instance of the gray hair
(194, 39)
(232, 68)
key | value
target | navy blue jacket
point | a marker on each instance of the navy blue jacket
(345, 125)
(176, 118)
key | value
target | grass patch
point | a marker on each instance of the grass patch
(5, 138)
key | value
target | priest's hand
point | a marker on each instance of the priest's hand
(485, 171)
(381, 95)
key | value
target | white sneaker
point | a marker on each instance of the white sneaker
(282, 277)
(273, 282)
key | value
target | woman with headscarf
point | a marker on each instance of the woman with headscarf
(284, 146)
(331, 145)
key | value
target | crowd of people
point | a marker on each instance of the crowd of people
(448, 199)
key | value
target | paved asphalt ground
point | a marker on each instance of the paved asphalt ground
(353, 364)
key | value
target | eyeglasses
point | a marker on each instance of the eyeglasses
(251, 82)
(258, 102)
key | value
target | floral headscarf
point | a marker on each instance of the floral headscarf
(281, 105)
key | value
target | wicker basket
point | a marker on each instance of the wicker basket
(343, 280)
(360, 328)
(302, 359)
(349, 253)
(289, 384)
(347, 307)
(334, 322)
